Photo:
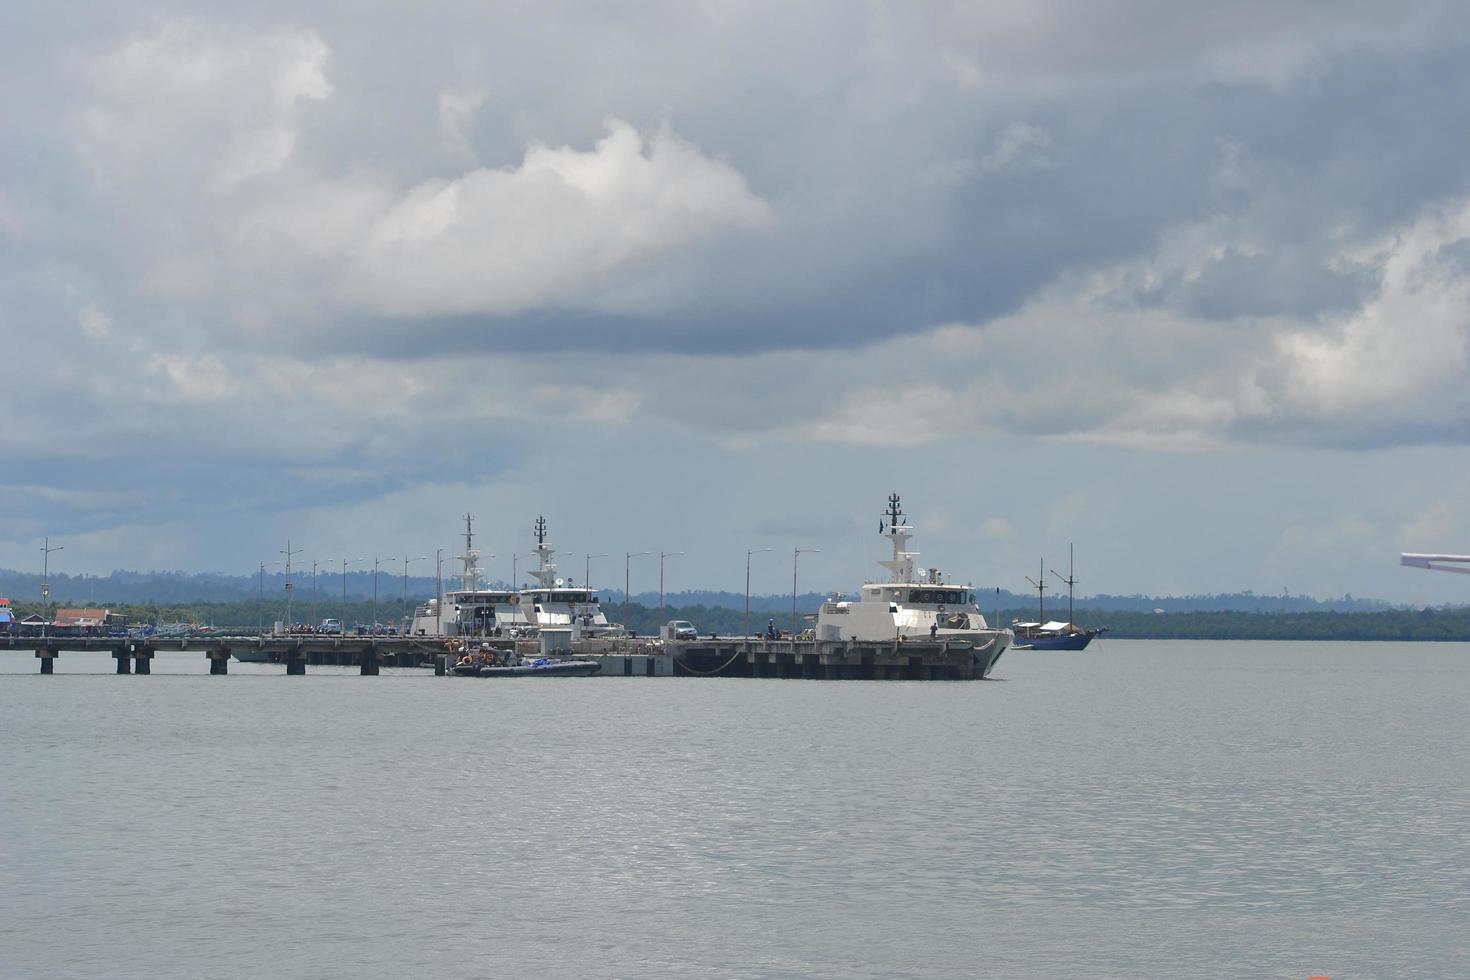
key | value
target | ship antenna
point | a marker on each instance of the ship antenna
(540, 530)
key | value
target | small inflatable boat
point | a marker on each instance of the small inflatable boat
(544, 668)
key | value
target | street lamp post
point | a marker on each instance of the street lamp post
(289, 587)
(627, 564)
(345, 563)
(260, 601)
(439, 591)
(46, 550)
(748, 553)
(376, 562)
(661, 556)
(587, 585)
(796, 554)
(403, 602)
(316, 593)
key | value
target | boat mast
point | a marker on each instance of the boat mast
(1071, 581)
(469, 579)
(1040, 588)
(898, 531)
(546, 573)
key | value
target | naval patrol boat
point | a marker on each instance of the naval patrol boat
(914, 604)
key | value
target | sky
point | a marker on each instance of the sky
(1184, 285)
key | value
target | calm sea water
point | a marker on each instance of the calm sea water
(1146, 810)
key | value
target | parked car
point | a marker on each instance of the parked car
(331, 627)
(682, 629)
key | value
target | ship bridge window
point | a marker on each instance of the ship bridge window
(944, 596)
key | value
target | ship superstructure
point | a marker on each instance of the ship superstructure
(555, 602)
(471, 609)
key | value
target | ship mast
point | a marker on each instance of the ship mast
(1040, 588)
(898, 531)
(470, 578)
(546, 573)
(1071, 581)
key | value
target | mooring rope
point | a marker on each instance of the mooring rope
(709, 673)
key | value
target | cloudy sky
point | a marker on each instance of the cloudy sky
(1186, 284)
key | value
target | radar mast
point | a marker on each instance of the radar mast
(470, 576)
(546, 573)
(898, 531)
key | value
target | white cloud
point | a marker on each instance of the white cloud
(1018, 146)
(193, 135)
(196, 379)
(94, 322)
(1407, 347)
(457, 108)
(192, 110)
(997, 529)
(551, 232)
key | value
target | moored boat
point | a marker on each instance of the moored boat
(1054, 635)
(544, 668)
(916, 604)
(486, 662)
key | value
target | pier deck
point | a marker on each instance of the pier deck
(712, 657)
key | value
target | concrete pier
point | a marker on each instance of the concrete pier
(908, 659)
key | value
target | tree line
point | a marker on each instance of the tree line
(1442, 624)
